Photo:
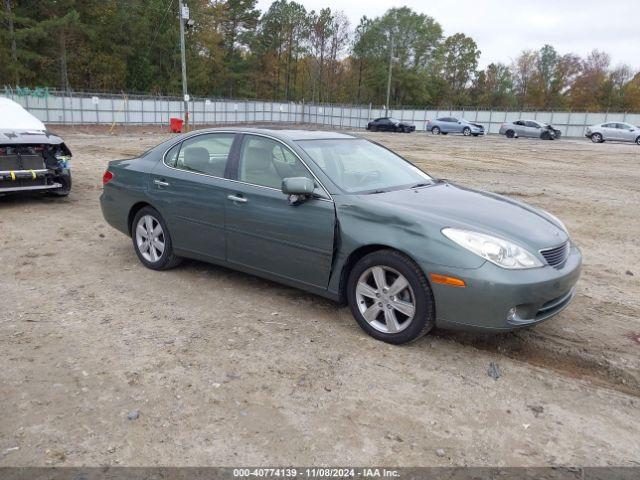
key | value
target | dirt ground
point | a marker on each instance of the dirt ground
(227, 369)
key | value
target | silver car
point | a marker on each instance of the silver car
(617, 131)
(531, 129)
(446, 125)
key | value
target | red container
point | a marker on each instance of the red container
(176, 125)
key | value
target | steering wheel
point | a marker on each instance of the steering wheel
(363, 180)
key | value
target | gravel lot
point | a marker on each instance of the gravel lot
(228, 369)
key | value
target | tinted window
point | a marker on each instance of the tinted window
(266, 162)
(519, 122)
(206, 154)
(624, 126)
(531, 124)
(609, 125)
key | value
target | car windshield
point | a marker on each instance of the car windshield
(360, 166)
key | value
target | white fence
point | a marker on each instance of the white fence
(58, 108)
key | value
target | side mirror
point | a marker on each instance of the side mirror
(298, 186)
(298, 189)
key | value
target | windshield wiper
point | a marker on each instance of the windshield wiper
(417, 185)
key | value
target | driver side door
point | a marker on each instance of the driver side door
(264, 233)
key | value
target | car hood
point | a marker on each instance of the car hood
(448, 205)
(31, 137)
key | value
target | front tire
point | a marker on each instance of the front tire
(466, 131)
(390, 297)
(152, 241)
(596, 138)
(638, 141)
(510, 134)
(436, 130)
(65, 181)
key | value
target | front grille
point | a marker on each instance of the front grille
(557, 255)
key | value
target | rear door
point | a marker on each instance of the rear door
(267, 234)
(609, 131)
(520, 128)
(188, 188)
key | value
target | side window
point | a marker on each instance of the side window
(624, 126)
(609, 125)
(531, 124)
(171, 157)
(206, 154)
(266, 162)
(519, 123)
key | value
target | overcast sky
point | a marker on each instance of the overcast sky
(503, 28)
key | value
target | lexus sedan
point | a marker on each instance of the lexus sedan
(531, 129)
(347, 219)
(617, 131)
(447, 125)
(389, 124)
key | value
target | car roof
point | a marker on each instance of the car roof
(283, 134)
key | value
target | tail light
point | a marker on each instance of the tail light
(107, 177)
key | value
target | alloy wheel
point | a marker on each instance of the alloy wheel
(466, 131)
(150, 238)
(385, 299)
(596, 138)
(435, 130)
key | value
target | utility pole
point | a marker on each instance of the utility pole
(184, 10)
(390, 69)
(12, 36)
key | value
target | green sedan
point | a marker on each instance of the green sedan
(347, 219)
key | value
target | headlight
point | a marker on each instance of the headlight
(558, 221)
(498, 251)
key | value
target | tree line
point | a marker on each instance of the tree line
(288, 53)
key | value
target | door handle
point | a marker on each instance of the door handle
(161, 183)
(235, 198)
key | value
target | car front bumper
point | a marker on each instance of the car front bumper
(499, 299)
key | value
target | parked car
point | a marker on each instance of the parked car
(390, 124)
(347, 219)
(618, 131)
(32, 159)
(531, 129)
(446, 125)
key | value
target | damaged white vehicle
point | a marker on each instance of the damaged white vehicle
(31, 158)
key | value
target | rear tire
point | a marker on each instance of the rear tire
(510, 134)
(374, 128)
(371, 292)
(152, 241)
(436, 130)
(596, 138)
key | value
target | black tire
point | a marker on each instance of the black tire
(476, 134)
(445, 133)
(65, 181)
(597, 138)
(638, 141)
(167, 259)
(374, 128)
(510, 134)
(406, 130)
(466, 131)
(546, 136)
(424, 314)
(436, 130)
